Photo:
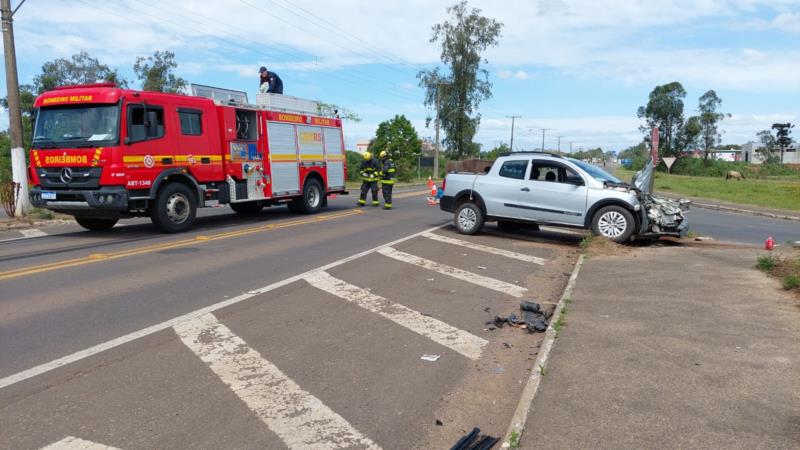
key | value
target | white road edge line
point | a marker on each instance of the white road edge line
(85, 353)
(470, 277)
(486, 248)
(26, 234)
(73, 443)
(440, 332)
(297, 417)
(525, 404)
(32, 233)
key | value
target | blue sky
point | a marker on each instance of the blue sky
(578, 67)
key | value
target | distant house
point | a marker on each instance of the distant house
(750, 154)
(726, 154)
(362, 146)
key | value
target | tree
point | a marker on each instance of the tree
(81, 68)
(768, 146)
(455, 96)
(709, 120)
(497, 151)
(688, 134)
(664, 110)
(399, 138)
(155, 73)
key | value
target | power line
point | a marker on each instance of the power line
(268, 13)
(357, 81)
(324, 24)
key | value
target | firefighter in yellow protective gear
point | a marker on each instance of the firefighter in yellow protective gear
(388, 172)
(369, 180)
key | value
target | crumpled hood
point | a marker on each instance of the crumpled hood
(643, 177)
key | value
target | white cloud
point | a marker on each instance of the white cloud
(518, 75)
(611, 38)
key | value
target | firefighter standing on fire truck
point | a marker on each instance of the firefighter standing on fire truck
(387, 173)
(369, 180)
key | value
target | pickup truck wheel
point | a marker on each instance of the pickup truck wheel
(506, 225)
(95, 224)
(613, 222)
(469, 218)
(311, 201)
(247, 208)
(174, 209)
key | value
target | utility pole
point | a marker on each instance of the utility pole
(570, 147)
(18, 169)
(559, 144)
(543, 130)
(512, 129)
(436, 142)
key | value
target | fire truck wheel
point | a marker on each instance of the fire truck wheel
(311, 201)
(174, 209)
(95, 224)
(247, 208)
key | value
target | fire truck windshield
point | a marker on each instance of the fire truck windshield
(76, 126)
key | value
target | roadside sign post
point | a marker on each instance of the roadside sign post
(653, 155)
(669, 161)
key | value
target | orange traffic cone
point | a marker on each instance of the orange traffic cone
(430, 182)
(434, 191)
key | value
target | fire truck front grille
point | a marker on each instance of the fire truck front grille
(69, 177)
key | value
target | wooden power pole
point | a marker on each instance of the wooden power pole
(18, 166)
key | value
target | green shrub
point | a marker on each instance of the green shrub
(791, 282)
(708, 168)
(766, 263)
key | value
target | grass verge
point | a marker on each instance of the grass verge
(784, 268)
(765, 193)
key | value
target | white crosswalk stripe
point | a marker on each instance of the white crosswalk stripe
(487, 282)
(73, 443)
(486, 248)
(301, 420)
(458, 340)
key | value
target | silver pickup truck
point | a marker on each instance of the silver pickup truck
(532, 188)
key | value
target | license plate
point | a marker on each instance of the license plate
(48, 195)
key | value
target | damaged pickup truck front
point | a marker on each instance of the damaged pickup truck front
(527, 189)
(660, 216)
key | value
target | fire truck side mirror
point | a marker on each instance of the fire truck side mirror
(127, 141)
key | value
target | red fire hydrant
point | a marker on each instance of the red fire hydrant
(769, 244)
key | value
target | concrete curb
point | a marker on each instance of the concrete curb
(745, 211)
(525, 405)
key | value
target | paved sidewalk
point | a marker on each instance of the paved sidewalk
(678, 347)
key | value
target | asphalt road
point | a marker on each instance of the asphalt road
(275, 331)
(733, 227)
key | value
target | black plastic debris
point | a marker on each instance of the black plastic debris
(530, 306)
(474, 441)
(534, 319)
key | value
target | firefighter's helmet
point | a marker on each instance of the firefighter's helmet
(367, 156)
(384, 154)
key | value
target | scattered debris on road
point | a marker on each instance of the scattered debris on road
(534, 319)
(474, 441)
(431, 358)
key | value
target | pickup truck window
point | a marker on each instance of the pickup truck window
(514, 169)
(552, 172)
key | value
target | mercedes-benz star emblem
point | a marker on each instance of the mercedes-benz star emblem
(66, 175)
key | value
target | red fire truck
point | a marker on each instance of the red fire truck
(101, 153)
